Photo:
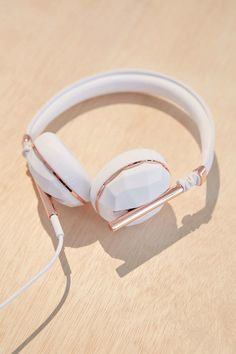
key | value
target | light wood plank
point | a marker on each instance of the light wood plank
(166, 286)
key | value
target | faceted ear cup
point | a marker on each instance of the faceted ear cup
(57, 171)
(132, 179)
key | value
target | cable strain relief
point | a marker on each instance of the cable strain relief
(56, 226)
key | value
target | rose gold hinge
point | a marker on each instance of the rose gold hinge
(202, 173)
(26, 139)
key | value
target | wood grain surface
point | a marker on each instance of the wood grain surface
(168, 285)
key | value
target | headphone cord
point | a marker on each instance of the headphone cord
(60, 235)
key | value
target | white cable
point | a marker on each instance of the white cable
(60, 235)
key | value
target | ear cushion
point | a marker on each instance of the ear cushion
(130, 187)
(64, 164)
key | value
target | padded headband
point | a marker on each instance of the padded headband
(137, 81)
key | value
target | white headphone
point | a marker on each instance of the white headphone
(134, 185)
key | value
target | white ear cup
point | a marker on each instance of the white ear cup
(65, 166)
(48, 181)
(132, 179)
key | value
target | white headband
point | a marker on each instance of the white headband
(138, 81)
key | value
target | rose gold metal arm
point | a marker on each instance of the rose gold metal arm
(47, 201)
(45, 198)
(137, 213)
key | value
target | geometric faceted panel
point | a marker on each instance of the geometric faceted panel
(132, 188)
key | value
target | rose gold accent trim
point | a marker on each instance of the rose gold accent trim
(139, 212)
(27, 138)
(202, 173)
(118, 172)
(47, 201)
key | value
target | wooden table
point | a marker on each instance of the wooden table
(168, 285)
